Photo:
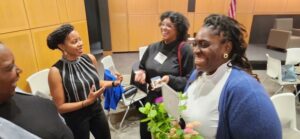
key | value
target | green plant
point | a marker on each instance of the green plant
(164, 127)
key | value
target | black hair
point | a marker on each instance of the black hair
(234, 32)
(59, 35)
(181, 24)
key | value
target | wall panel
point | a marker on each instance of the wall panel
(180, 6)
(292, 6)
(210, 6)
(25, 25)
(198, 21)
(139, 11)
(117, 6)
(45, 56)
(118, 25)
(20, 44)
(76, 10)
(42, 12)
(246, 20)
(119, 33)
(143, 30)
(165, 5)
(244, 6)
(13, 16)
(142, 6)
(62, 10)
(190, 17)
(269, 6)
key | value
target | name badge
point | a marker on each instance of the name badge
(160, 58)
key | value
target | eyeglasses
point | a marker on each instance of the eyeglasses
(168, 25)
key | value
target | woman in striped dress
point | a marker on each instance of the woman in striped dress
(75, 85)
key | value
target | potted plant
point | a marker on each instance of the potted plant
(162, 126)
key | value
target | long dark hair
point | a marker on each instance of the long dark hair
(234, 32)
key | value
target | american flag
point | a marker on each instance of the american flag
(232, 9)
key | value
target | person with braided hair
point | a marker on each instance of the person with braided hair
(222, 93)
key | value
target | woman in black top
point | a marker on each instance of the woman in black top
(75, 86)
(171, 59)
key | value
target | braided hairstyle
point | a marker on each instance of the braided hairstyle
(180, 21)
(59, 35)
(234, 32)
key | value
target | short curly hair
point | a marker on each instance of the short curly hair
(59, 35)
(180, 21)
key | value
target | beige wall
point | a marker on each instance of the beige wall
(25, 25)
(134, 23)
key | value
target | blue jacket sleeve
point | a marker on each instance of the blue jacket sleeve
(250, 112)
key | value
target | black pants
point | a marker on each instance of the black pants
(144, 133)
(95, 122)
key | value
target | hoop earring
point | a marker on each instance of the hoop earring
(225, 56)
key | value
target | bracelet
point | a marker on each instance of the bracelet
(82, 104)
(113, 83)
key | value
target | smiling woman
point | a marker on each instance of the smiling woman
(170, 60)
(75, 85)
(224, 95)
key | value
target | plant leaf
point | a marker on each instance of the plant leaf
(182, 107)
(142, 110)
(146, 119)
(197, 137)
(152, 113)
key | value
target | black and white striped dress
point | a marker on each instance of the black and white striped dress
(77, 77)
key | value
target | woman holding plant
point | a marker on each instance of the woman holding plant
(226, 97)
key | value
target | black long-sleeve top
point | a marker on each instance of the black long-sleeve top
(36, 115)
(170, 66)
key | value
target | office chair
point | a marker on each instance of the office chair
(38, 83)
(108, 63)
(274, 71)
(285, 106)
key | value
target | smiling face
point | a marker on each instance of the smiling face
(209, 50)
(168, 30)
(9, 74)
(72, 45)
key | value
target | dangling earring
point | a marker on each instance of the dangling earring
(65, 53)
(225, 56)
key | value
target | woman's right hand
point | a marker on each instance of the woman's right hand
(140, 76)
(94, 95)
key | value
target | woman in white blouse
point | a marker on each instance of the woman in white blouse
(223, 93)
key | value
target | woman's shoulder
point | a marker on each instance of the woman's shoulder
(187, 48)
(89, 57)
(155, 44)
(240, 81)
